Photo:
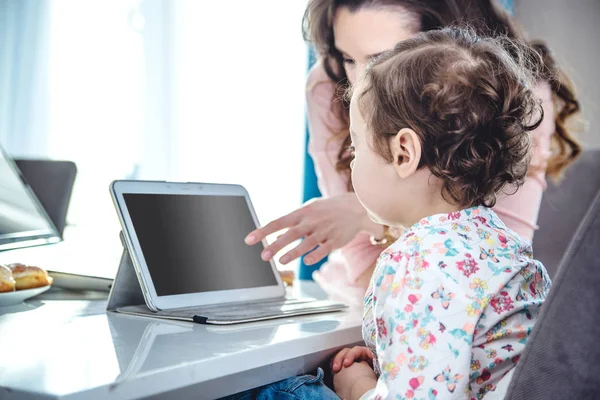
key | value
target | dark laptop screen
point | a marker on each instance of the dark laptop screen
(23, 222)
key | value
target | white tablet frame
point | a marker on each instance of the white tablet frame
(153, 301)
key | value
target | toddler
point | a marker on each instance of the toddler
(440, 128)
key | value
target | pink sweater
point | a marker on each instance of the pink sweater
(338, 276)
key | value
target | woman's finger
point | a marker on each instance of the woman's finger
(307, 244)
(290, 236)
(274, 226)
(318, 254)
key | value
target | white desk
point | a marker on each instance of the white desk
(72, 349)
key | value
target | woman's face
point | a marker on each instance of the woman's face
(367, 32)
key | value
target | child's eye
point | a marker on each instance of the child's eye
(348, 61)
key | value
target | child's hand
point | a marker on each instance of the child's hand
(346, 357)
(354, 381)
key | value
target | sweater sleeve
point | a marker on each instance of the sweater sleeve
(519, 211)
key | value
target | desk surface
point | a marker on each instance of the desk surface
(72, 349)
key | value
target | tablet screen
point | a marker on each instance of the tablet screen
(195, 243)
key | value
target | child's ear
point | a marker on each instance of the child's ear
(406, 150)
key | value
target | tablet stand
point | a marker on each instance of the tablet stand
(126, 289)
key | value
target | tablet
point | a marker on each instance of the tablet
(186, 242)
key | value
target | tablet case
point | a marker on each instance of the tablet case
(126, 297)
(126, 290)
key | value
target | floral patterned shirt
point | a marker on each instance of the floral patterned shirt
(450, 307)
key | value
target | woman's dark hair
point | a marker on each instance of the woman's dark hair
(474, 126)
(484, 16)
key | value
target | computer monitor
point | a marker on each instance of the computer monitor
(23, 220)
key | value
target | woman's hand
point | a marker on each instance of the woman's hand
(329, 223)
(348, 356)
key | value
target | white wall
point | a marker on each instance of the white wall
(572, 30)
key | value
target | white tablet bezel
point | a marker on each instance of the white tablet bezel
(120, 187)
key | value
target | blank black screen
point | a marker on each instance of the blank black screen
(21, 216)
(195, 244)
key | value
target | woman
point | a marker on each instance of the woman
(347, 34)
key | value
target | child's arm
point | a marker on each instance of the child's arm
(355, 382)
(425, 325)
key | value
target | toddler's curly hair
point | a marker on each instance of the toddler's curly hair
(469, 99)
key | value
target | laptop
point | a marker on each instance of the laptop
(34, 198)
(52, 183)
(185, 242)
(23, 221)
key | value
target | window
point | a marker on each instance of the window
(177, 90)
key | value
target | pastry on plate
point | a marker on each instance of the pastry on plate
(29, 277)
(7, 282)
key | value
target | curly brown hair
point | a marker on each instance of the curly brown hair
(485, 16)
(470, 101)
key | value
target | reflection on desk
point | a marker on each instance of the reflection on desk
(73, 349)
(143, 347)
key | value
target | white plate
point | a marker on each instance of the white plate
(19, 296)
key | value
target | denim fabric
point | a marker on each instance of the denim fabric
(304, 387)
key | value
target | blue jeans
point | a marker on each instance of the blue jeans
(304, 387)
